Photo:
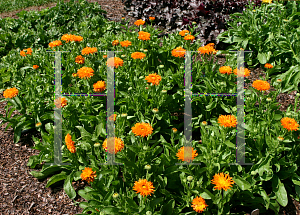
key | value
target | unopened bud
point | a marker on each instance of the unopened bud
(268, 99)
(190, 178)
(97, 144)
(124, 115)
(147, 167)
(145, 148)
(280, 138)
(148, 213)
(174, 130)
(161, 66)
(155, 110)
(163, 91)
(115, 195)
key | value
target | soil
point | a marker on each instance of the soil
(21, 193)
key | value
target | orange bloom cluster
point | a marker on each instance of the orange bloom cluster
(182, 33)
(70, 37)
(261, 85)
(115, 61)
(28, 51)
(35, 66)
(125, 43)
(139, 22)
(138, 55)
(115, 42)
(143, 187)
(99, 86)
(10, 93)
(55, 43)
(79, 59)
(189, 37)
(225, 70)
(198, 204)
(85, 72)
(142, 129)
(119, 145)
(227, 121)
(178, 52)
(208, 49)
(180, 154)
(268, 65)
(63, 103)
(289, 123)
(88, 50)
(144, 35)
(222, 181)
(70, 143)
(151, 18)
(240, 72)
(153, 78)
(88, 174)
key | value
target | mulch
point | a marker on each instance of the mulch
(21, 193)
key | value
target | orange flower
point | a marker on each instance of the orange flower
(119, 145)
(142, 129)
(63, 103)
(138, 55)
(115, 42)
(99, 86)
(174, 130)
(55, 43)
(115, 61)
(11, 92)
(225, 70)
(198, 204)
(208, 49)
(70, 37)
(29, 51)
(189, 37)
(78, 38)
(125, 43)
(261, 85)
(268, 65)
(139, 22)
(227, 121)
(178, 52)
(153, 78)
(143, 187)
(74, 75)
(70, 143)
(241, 72)
(289, 123)
(151, 18)
(113, 117)
(144, 35)
(191, 154)
(105, 56)
(85, 72)
(22, 53)
(35, 66)
(88, 174)
(79, 59)
(88, 50)
(182, 33)
(222, 182)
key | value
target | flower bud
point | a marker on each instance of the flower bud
(145, 50)
(181, 67)
(97, 145)
(253, 10)
(161, 66)
(174, 130)
(297, 94)
(255, 130)
(194, 23)
(147, 167)
(288, 114)
(163, 91)
(278, 80)
(184, 180)
(268, 99)
(141, 49)
(123, 55)
(190, 178)
(214, 151)
(148, 213)
(145, 148)
(38, 124)
(204, 123)
(155, 110)
(129, 88)
(280, 138)
(124, 115)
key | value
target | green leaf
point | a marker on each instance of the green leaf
(155, 202)
(84, 133)
(209, 194)
(167, 209)
(47, 171)
(33, 161)
(131, 203)
(242, 183)
(230, 144)
(297, 189)
(56, 178)
(110, 210)
(281, 195)
(70, 191)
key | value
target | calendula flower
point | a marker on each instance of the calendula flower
(174, 130)
(144, 35)
(105, 56)
(79, 59)
(289, 123)
(11, 92)
(115, 42)
(67, 37)
(119, 145)
(143, 187)
(241, 72)
(88, 50)
(225, 70)
(184, 32)
(78, 38)
(38, 124)
(29, 51)
(113, 117)
(178, 52)
(222, 181)
(151, 18)
(88, 175)
(189, 37)
(55, 43)
(208, 49)
(70, 143)
(261, 85)
(99, 86)
(266, 1)
(198, 204)
(138, 55)
(85, 72)
(139, 22)
(142, 129)
(115, 61)
(62, 104)
(22, 53)
(35, 66)
(153, 78)
(227, 121)
(268, 65)
(125, 43)
(189, 157)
